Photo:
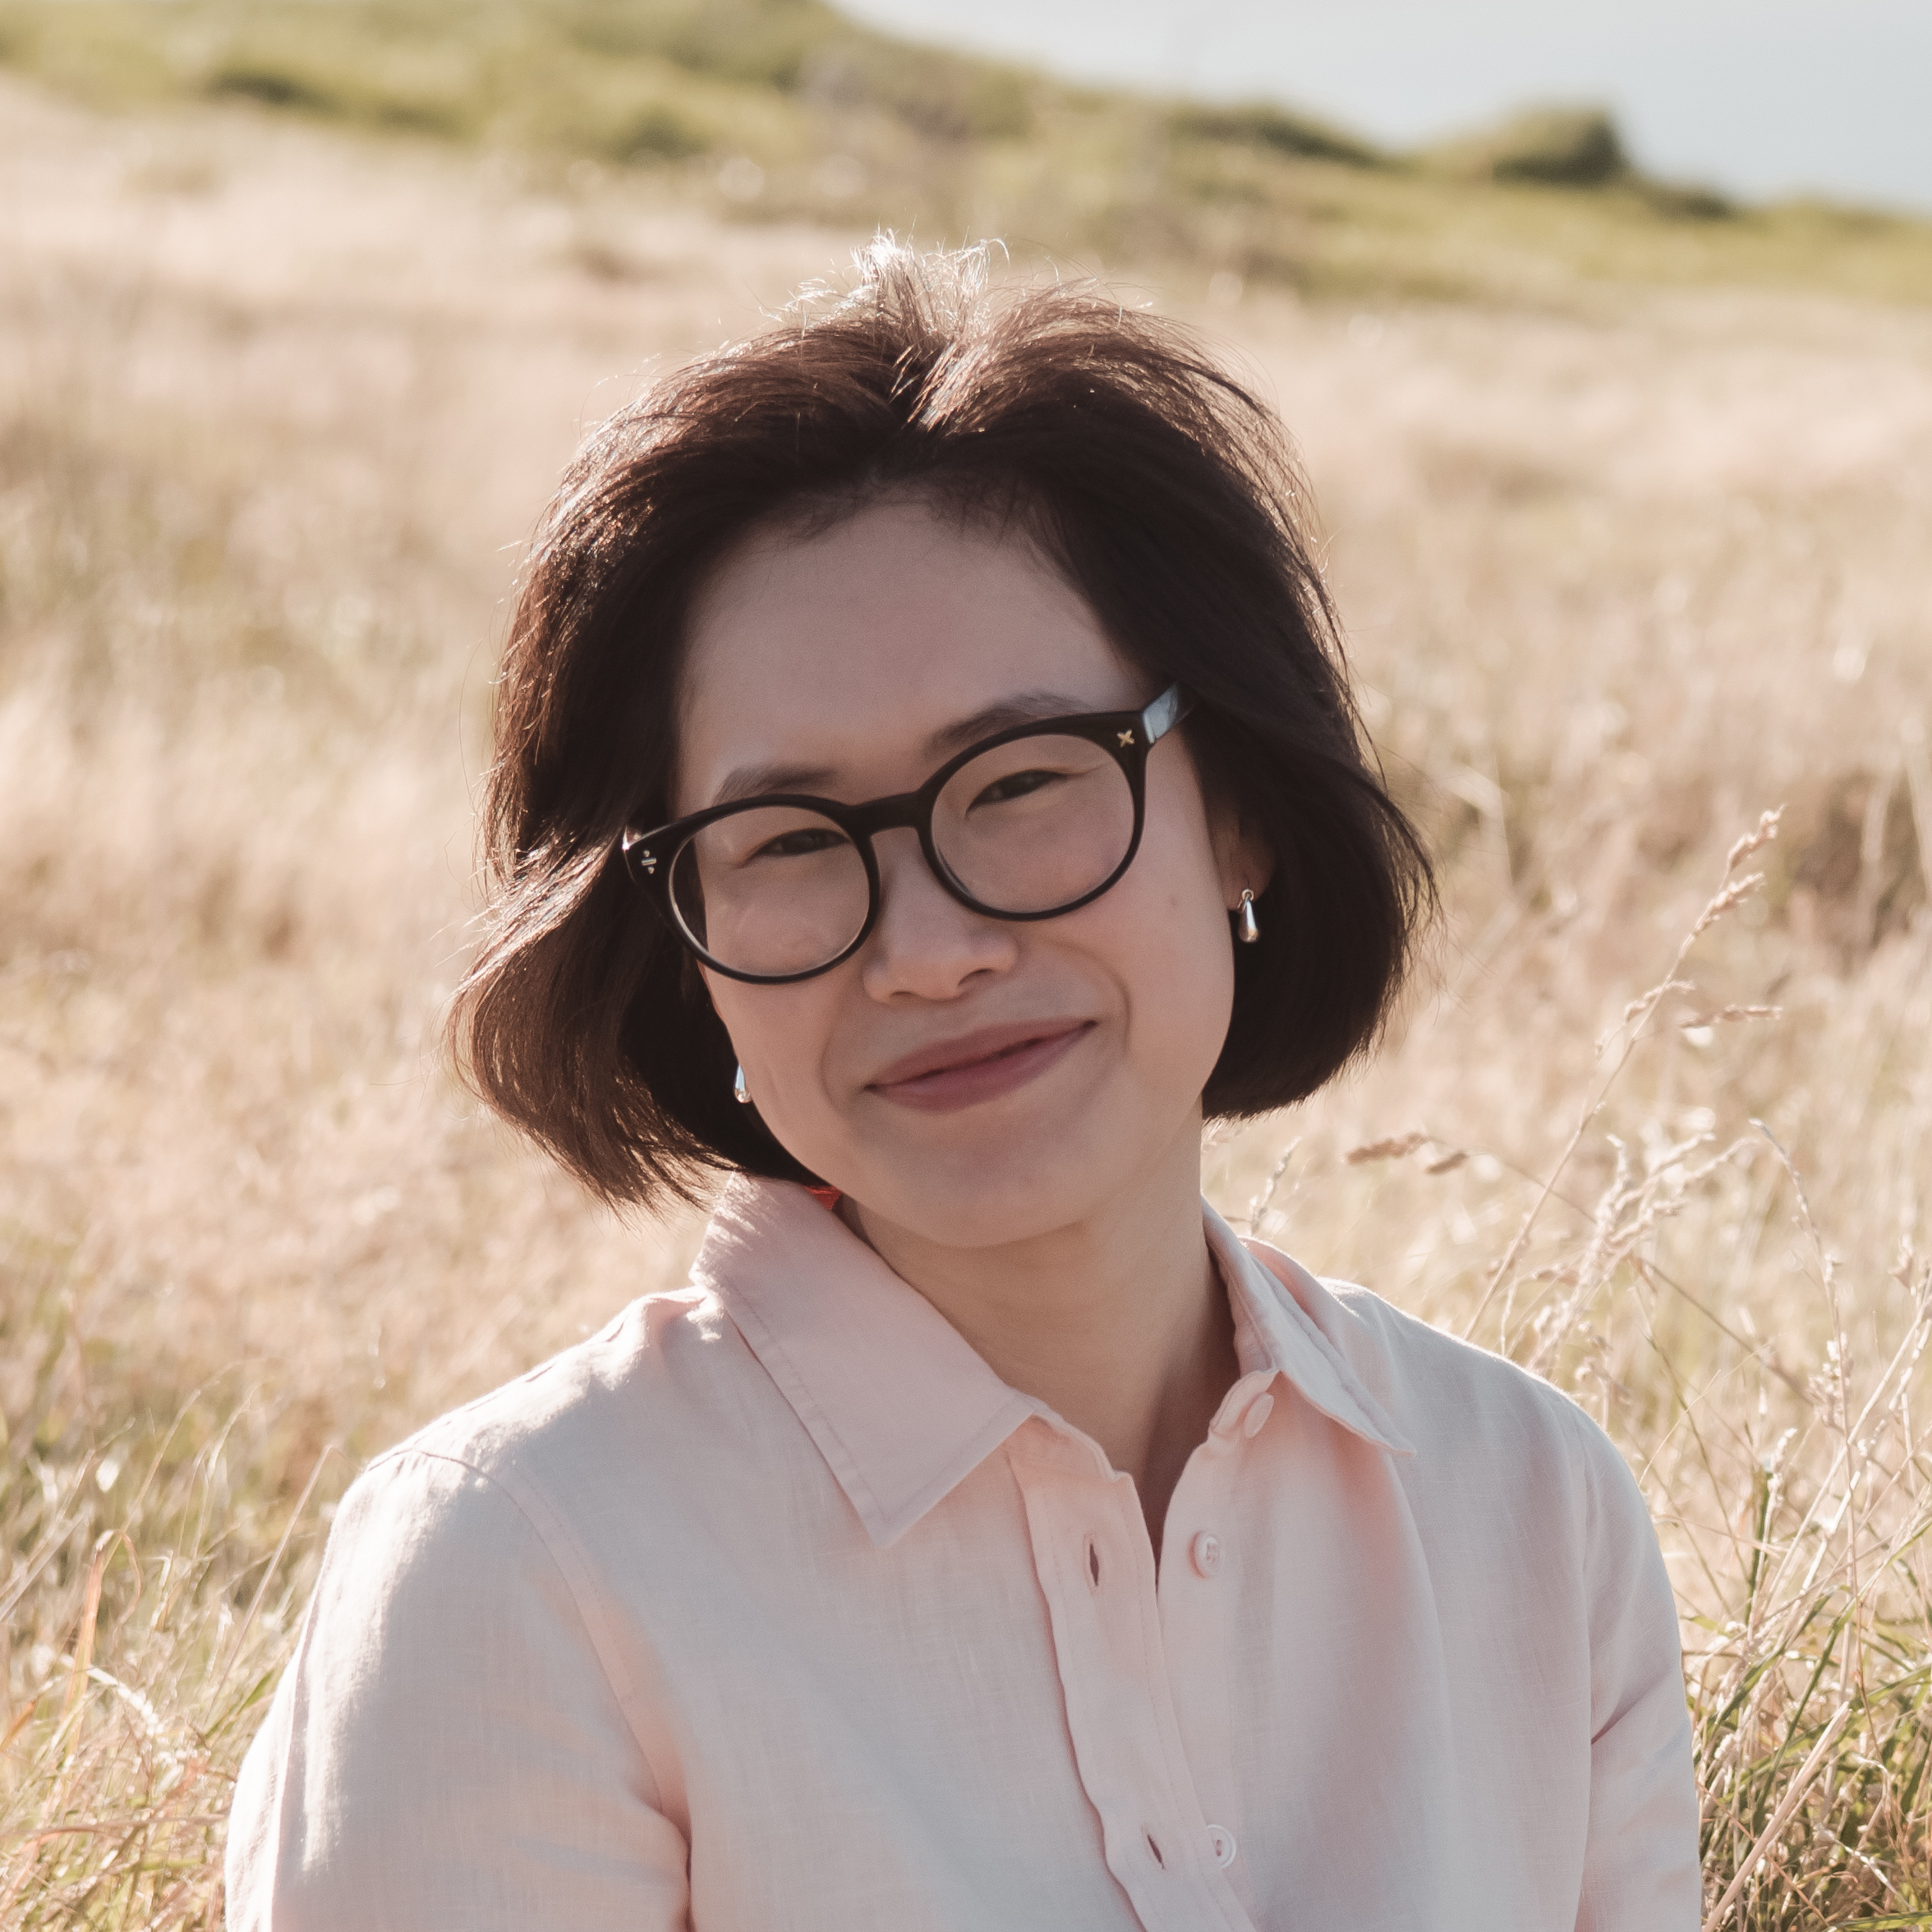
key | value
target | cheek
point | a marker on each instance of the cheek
(1176, 945)
(779, 1035)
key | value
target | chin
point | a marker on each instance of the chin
(1016, 1191)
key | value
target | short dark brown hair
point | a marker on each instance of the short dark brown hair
(1164, 491)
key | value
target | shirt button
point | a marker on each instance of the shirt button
(1259, 1411)
(1221, 1842)
(1207, 1553)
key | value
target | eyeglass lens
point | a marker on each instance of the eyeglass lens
(1025, 827)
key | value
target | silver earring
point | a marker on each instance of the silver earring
(739, 1092)
(1247, 927)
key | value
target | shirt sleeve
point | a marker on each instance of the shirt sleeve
(445, 1751)
(1641, 1867)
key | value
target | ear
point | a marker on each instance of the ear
(1242, 858)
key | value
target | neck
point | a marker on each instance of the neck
(1119, 1321)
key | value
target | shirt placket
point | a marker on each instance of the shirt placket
(1096, 1570)
(1200, 1590)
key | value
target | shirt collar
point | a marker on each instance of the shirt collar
(1276, 1332)
(899, 1404)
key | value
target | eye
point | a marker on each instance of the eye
(802, 843)
(1015, 784)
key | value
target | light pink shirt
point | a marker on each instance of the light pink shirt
(772, 1609)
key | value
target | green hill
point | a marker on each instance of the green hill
(783, 110)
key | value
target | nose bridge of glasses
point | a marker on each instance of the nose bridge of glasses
(903, 811)
(885, 815)
(911, 858)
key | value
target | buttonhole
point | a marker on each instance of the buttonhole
(1094, 1562)
(1156, 1850)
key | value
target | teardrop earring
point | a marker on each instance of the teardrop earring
(738, 1091)
(1247, 927)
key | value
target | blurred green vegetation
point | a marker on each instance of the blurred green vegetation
(783, 110)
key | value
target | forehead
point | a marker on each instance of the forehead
(849, 650)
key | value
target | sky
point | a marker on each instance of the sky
(1758, 98)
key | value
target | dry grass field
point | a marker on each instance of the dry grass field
(1625, 567)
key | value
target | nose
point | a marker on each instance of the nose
(926, 944)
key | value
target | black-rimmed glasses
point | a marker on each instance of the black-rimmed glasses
(1028, 824)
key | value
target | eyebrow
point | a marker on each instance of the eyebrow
(1026, 707)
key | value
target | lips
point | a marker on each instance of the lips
(979, 1065)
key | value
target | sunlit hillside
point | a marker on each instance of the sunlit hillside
(764, 110)
(1627, 504)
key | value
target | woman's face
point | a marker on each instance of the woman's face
(973, 1080)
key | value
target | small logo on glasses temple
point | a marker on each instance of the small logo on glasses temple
(648, 860)
(1126, 738)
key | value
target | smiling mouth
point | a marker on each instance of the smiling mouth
(980, 1067)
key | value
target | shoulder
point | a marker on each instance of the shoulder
(533, 1466)
(485, 1524)
(1446, 1388)
(650, 1375)
(454, 1740)
(1459, 1407)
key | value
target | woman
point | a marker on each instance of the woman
(928, 790)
